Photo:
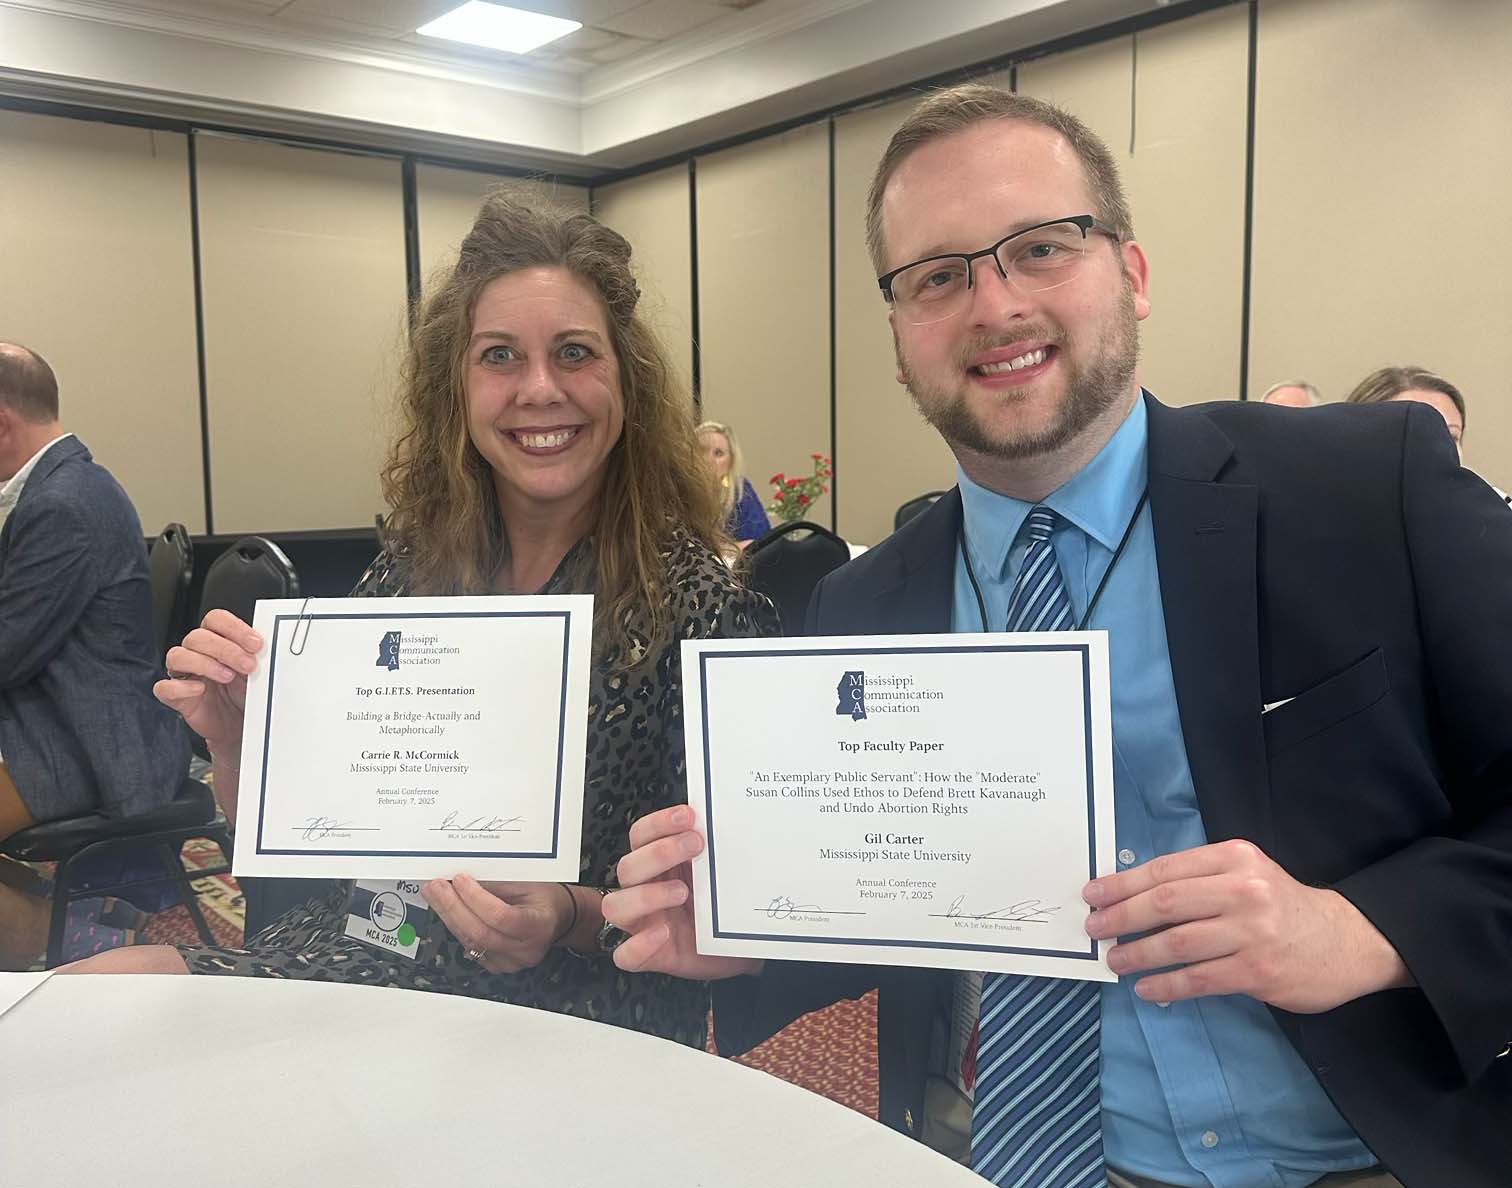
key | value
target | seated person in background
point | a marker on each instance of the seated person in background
(1424, 387)
(1292, 394)
(79, 729)
(745, 518)
(546, 449)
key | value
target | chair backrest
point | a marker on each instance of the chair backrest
(919, 503)
(788, 562)
(171, 564)
(252, 568)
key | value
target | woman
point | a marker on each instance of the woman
(1423, 387)
(545, 449)
(1419, 384)
(745, 518)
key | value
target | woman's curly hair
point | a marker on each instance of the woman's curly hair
(446, 518)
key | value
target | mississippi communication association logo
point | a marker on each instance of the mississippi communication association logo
(389, 914)
(388, 651)
(851, 692)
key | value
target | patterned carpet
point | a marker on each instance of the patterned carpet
(832, 1052)
(220, 902)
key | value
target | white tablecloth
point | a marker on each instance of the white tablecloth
(157, 1080)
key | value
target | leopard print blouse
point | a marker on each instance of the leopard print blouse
(635, 766)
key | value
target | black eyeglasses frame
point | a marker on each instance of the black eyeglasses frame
(1087, 223)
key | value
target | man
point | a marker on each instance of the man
(1292, 394)
(80, 731)
(1313, 904)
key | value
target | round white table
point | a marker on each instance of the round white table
(156, 1080)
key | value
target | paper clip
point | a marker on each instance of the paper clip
(304, 621)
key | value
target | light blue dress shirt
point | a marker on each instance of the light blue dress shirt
(1204, 1092)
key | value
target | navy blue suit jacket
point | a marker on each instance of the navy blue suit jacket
(1339, 557)
(80, 730)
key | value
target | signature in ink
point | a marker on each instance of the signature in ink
(316, 828)
(783, 908)
(450, 824)
(1025, 911)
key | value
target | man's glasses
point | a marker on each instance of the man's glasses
(1037, 258)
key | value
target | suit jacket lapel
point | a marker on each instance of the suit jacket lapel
(918, 594)
(1205, 549)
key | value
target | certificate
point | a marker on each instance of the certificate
(416, 738)
(934, 800)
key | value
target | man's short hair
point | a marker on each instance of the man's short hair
(27, 383)
(1386, 383)
(1312, 393)
(955, 109)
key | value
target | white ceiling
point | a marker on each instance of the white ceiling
(613, 30)
(641, 80)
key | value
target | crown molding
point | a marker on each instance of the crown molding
(616, 80)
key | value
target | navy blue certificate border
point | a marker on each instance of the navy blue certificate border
(556, 815)
(1089, 954)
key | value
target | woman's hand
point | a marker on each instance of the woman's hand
(512, 925)
(207, 678)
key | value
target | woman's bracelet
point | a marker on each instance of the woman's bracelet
(572, 923)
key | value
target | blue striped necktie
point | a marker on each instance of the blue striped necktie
(1035, 1119)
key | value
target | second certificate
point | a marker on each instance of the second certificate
(916, 800)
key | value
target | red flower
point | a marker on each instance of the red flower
(777, 478)
(803, 499)
(816, 457)
(793, 482)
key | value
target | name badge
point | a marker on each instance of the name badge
(390, 916)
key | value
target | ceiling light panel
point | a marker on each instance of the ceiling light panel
(498, 27)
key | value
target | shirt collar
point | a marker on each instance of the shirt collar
(11, 491)
(1099, 498)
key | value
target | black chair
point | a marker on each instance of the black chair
(254, 567)
(76, 841)
(788, 562)
(916, 505)
(171, 564)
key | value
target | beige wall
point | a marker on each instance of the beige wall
(1175, 117)
(651, 211)
(1382, 134)
(302, 265)
(1383, 143)
(99, 279)
(447, 201)
(763, 292)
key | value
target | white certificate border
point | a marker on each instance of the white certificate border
(1092, 953)
(387, 616)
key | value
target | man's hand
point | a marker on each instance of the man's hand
(655, 902)
(1236, 923)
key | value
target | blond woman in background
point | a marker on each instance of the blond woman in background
(745, 518)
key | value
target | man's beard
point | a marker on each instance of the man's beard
(1090, 390)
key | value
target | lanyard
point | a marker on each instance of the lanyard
(1144, 498)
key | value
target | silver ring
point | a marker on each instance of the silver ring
(476, 955)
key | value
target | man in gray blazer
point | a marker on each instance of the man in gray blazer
(80, 731)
